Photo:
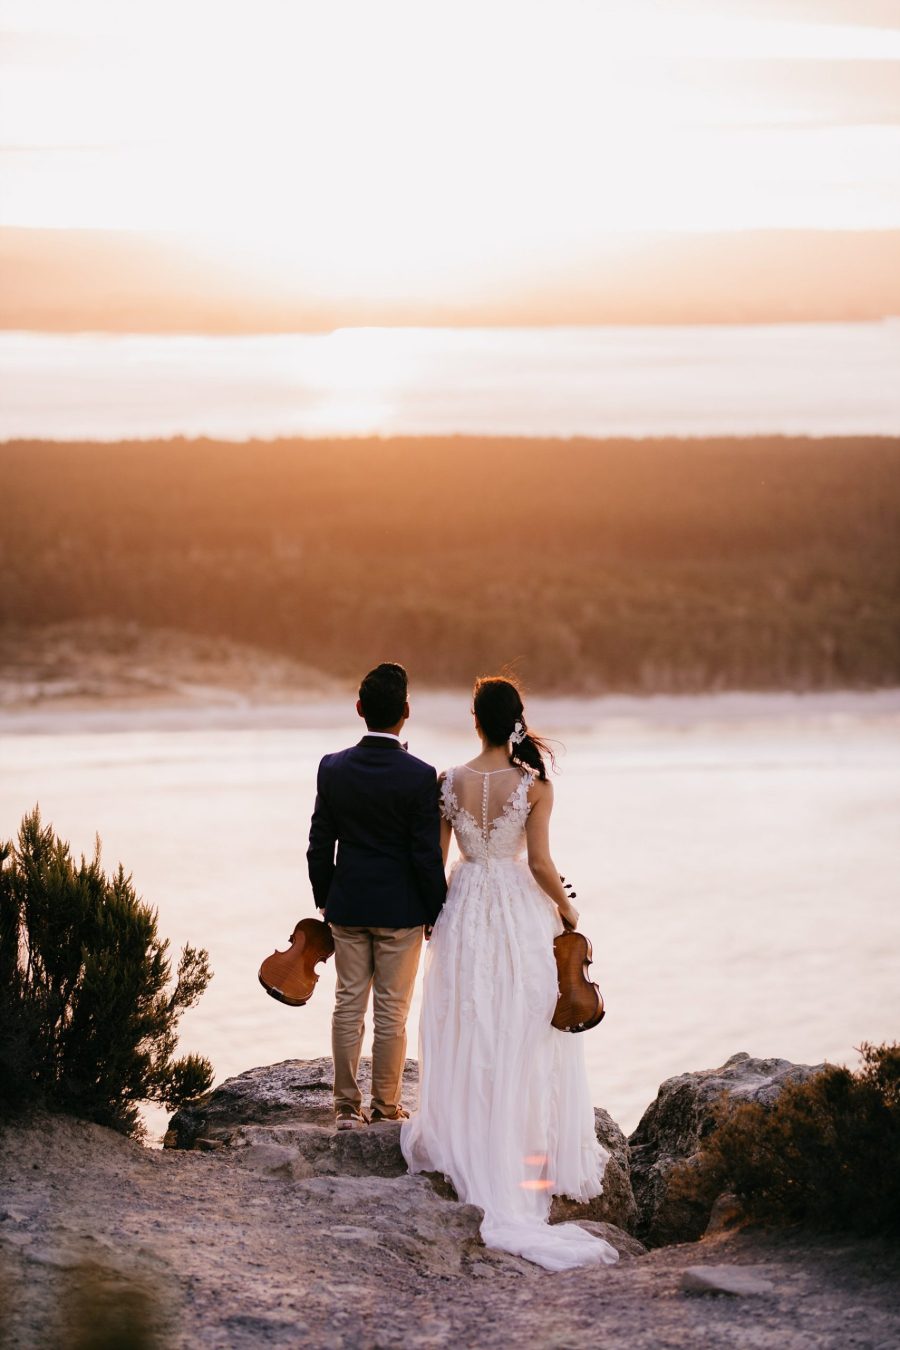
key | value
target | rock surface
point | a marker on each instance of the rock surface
(207, 1252)
(727, 1213)
(278, 1120)
(737, 1281)
(672, 1127)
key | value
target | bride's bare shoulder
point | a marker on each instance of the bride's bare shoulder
(540, 790)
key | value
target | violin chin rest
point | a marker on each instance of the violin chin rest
(280, 996)
(586, 1026)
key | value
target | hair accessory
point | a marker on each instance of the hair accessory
(518, 734)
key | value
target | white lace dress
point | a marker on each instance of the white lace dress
(504, 1110)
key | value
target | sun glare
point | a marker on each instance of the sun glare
(354, 149)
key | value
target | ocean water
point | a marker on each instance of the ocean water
(793, 378)
(735, 858)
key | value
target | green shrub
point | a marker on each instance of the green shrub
(87, 1021)
(826, 1153)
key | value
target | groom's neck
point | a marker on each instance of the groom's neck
(388, 731)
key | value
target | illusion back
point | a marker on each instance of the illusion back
(488, 811)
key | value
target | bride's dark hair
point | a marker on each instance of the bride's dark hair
(497, 703)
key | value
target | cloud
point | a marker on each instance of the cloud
(857, 13)
(30, 50)
(798, 93)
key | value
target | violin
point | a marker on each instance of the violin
(291, 976)
(580, 1003)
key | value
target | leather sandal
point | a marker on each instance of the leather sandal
(348, 1119)
(378, 1117)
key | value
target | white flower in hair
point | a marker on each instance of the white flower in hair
(518, 734)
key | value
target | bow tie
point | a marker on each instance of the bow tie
(404, 745)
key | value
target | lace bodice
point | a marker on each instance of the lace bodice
(488, 811)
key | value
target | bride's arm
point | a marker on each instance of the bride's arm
(543, 868)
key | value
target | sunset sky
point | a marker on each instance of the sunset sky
(374, 145)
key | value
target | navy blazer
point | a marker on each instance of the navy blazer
(379, 805)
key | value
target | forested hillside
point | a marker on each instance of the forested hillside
(594, 566)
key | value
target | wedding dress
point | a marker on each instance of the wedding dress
(504, 1111)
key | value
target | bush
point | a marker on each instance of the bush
(826, 1153)
(86, 1023)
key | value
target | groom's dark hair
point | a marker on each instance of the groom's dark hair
(382, 695)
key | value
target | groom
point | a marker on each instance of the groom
(380, 806)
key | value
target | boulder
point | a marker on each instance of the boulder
(672, 1128)
(294, 1092)
(626, 1245)
(617, 1204)
(278, 1120)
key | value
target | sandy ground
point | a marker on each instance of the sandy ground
(218, 1255)
(102, 675)
(105, 663)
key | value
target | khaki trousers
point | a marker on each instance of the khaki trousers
(385, 959)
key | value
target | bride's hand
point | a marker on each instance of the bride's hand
(569, 916)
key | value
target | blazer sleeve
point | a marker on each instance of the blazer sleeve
(322, 839)
(425, 847)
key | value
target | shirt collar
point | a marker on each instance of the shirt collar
(385, 735)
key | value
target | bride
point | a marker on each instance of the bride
(504, 1110)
